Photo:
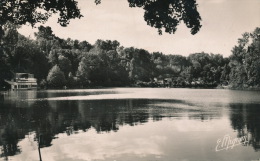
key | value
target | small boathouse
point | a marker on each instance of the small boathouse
(23, 81)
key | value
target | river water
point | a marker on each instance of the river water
(130, 124)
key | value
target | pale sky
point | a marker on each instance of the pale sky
(223, 22)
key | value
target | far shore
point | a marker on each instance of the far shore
(250, 88)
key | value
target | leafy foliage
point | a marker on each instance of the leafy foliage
(161, 14)
(32, 11)
(79, 64)
(245, 61)
(56, 78)
(65, 65)
(167, 14)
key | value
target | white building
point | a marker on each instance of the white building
(23, 81)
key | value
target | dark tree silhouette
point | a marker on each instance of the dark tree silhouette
(167, 14)
(161, 14)
(32, 11)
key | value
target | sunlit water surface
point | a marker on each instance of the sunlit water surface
(129, 124)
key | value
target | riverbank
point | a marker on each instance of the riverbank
(251, 88)
(156, 85)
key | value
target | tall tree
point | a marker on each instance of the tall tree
(46, 39)
(245, 61)
(8, 43)
(65, 65)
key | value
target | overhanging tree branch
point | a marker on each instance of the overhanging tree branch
(161, 14)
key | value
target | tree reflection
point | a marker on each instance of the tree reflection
(49, 118)
(245, 119)
(10, 137)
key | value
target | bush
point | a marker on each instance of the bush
(56, 78)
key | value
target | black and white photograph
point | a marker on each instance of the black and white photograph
(129, 80)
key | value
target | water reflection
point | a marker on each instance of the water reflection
(245, 119)
(48, 119)
(9, 139)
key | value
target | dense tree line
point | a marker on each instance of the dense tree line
(244, 63)
(57, 62)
